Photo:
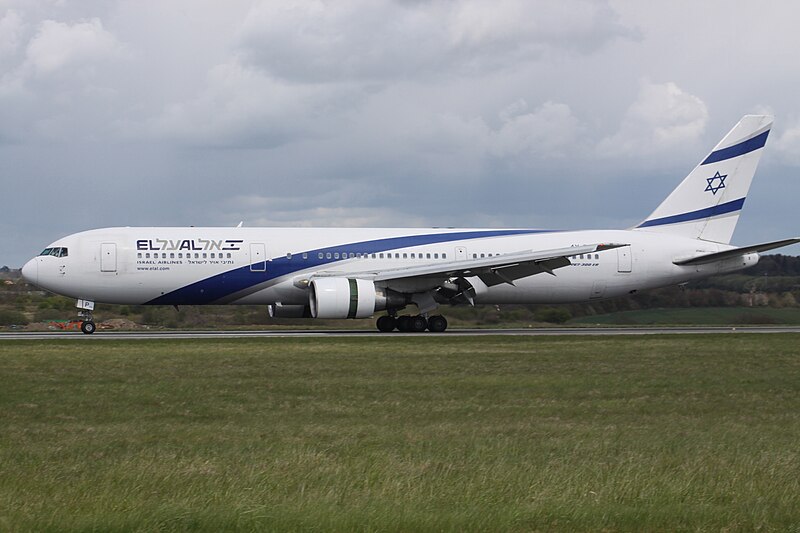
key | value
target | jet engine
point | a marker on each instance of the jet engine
(341, 298)
(350, 298)
(278, 310)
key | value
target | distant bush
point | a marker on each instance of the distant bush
(45, 315)
(553, 315)
(12, 318)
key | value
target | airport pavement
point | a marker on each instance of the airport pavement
(294, 333)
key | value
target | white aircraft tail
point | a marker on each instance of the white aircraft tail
(707, 203)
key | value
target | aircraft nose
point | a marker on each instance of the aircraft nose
(31, 271)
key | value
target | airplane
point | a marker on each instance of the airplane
(348, 273)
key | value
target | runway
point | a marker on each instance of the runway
(295, 333)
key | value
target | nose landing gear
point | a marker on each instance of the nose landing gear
(85, 308)
(88, 327)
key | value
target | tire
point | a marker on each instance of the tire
(404, 323)
(386, 324)
(437, 324)
(88, 327)
(418, 323)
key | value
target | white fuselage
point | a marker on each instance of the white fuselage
(195, 266)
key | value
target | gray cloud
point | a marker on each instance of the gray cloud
(384, 40)
(467, 113)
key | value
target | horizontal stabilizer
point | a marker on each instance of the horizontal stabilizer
(736, 252)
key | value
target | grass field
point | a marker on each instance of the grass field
(655, 433)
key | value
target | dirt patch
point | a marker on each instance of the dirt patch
(118, 323)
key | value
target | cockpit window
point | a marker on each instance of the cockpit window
(57, 252)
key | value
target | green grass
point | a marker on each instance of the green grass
(698, 316)
(655, 433)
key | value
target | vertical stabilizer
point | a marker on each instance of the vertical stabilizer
(707, 203)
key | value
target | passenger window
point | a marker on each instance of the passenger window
(305, 256)
(482, 256)
(436, 256)
(289, 256)
(444, 256)
(139, 255)
(413, 256)
(229, 255)
(172, 255)
(405, 256)
(597, 256)
(204, 255)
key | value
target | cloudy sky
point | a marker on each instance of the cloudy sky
(522, 113)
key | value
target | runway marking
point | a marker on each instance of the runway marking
(144, 335)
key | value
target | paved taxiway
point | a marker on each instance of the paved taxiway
(112, 335)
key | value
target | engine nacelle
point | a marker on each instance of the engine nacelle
(738, 263)
(342, 298)
(278, 310)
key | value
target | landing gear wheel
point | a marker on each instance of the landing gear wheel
(88, 327)
(418, 323)
(386, 324)
(437, 324)
(404, 323)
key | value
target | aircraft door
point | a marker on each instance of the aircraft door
(258, 257)
(461, 253)
(108, 257)
(624, 259)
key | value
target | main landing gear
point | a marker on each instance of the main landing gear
(416, 323)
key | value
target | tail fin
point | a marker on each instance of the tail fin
(707, 203)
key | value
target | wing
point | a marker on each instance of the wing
(501, 268)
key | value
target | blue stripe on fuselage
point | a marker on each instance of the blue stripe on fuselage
(744, 147)
(219, 286)
(720, 209)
